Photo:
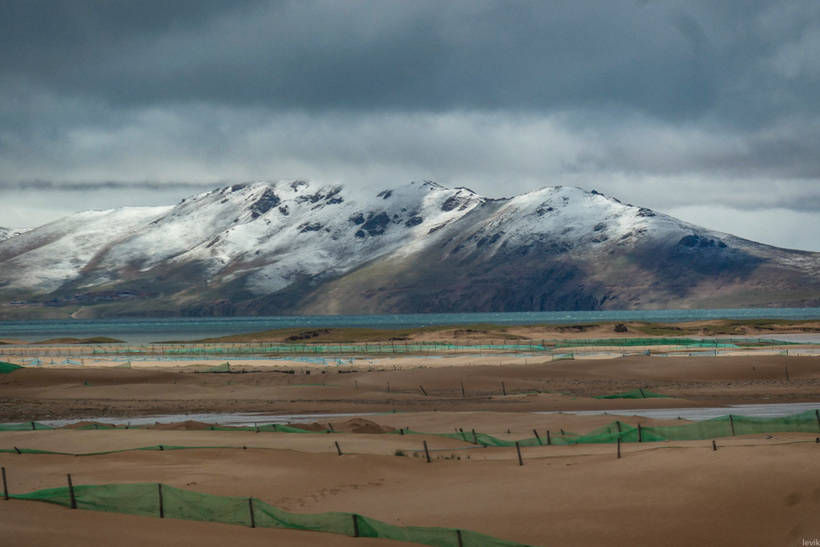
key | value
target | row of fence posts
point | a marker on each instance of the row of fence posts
(618, 440)
(161, 503)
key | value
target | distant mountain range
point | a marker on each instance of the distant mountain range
(306, 248)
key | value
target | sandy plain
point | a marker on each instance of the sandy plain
(754, 490)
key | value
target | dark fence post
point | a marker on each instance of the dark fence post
(161, 505)
(518, 449)
(475, 437)
(732, 424)
(5, 487)
(338, 448)
(355, 525)
(33, 426)
(549, 439)
(618, 423)
(619, 448)
(640, 434)
(422, 390)
(330, 426)
(714, 446)
(503, 388)
(71, 492)
(426, 452)
(458, 537)
(537, 437)
(250, 510)
(462, 390)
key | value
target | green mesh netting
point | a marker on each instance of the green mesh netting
(5, 368)
(153, 499)
(25, 426)
(224, 367)
(723, 426)
(634, 394)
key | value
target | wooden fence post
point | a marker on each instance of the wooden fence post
(549, 439)
(732, 424)
(422, 390)
(462, 390)
(161, 504)
(503, 388)
(714, 446)
(619, 448)
(537, 437)
(427, 452)
(640, 434)
(5, 486)
(518, 449)
(458, 537)
(71, 492)
(355, 525)
(250, 510)
(338, 448)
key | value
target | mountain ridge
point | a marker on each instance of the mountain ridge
(305, 247)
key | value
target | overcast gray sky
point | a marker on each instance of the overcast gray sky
(705, 110)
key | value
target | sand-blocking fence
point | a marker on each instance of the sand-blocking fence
(167, 502)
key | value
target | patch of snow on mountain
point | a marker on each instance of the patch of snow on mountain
(46, 257)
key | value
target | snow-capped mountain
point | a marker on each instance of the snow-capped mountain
(299, 247)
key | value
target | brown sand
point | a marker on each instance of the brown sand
(753, 490)
(40, 524)
(30, 393)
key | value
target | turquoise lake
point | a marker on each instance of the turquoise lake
(140, 330)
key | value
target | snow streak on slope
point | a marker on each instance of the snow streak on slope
(46, 257)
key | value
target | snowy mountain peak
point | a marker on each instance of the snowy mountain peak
(274, 243)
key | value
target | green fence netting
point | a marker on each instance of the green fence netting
(634, 394)
(5, 368)
(160, 500)
(24, 426)
(723, 426)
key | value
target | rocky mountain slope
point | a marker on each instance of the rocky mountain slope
(298, 247)
(6, 233)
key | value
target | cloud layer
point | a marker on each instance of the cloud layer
(673, 105)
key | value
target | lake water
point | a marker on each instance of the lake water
(142, 330)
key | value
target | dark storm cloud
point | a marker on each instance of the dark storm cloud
(672, 60)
